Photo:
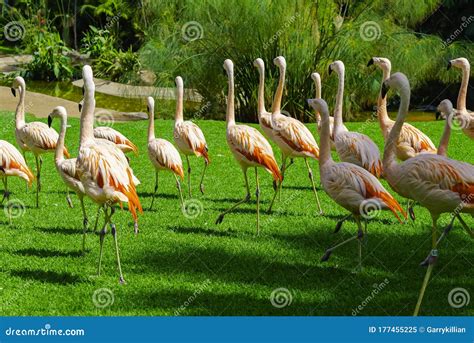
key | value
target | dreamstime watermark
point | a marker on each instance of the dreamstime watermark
(192, 297)
(103, 297)
(377, 288)
(458, 297)
(111, 21)
(191, 31)
(280, 31)
(465, 200)
(14, 31)
(14, 208)
(105, 118)
(370, 31)
(192, 208)
(370, 208)
(459, 121)
(281, 297)
(47, 330)
(465, 23)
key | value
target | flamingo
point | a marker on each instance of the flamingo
(35, 136)
(438, 183)
(353, 147)
(412, 140)
(292, 137)
(464, 116)
(12, 163)
(249, 147)
(264, 117)
(349, 185)
(317, 85)
(189, 137)
(103, 171)
(67, 167)
(112, 135)
(162, 154)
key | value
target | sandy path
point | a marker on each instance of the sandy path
(40, 105)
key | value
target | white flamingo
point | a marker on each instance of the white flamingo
(353, 147)
(249, 147)
(189, 137)
(162, 154)
(438, 183)
(35, 136)
(463, 115)
(349, 185)
(103, 170)
(292, 137)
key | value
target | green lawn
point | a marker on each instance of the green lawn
(222, 270)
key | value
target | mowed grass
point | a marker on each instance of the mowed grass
(223, 269)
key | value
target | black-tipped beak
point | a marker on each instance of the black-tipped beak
(371, 61)
(385, 89)
(449, 65)
(437, 115)
(2, 169)
(13, 91)
(80, 107)
(50, 120)
(329, 70)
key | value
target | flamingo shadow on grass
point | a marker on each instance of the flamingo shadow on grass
(62, 278)
(47, 253)
(60, 230)
(204, 231)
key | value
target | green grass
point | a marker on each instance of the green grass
(226, 269)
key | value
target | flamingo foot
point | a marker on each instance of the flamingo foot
(431, 259)
(326, 256)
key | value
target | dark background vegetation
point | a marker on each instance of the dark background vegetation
(144, 41)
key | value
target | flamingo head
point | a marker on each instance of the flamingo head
(459, 63)
(280, 62)
(58, 112)
(336, 66)
(18, 83)
(397, 81)
(444, 109)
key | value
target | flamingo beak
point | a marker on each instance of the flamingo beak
(329, 70)
(371, 62)
(80, 106)
(50, 120)
(385, 89)
(449, 65)
(13, 91)
(2, 169)
(437, 115)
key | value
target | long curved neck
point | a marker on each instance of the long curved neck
(444, 142)
(317, 85)
(59, 153)
(382, 113)
(276, 106)
(179, 104)
(325, 148)
(20, 109)
(87, 116)
(151, 125)
(261, 92)
(339, 100)
(461, 103)
(389, 156)
(230, 115)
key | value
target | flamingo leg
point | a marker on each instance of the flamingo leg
(101, 239)
(257, 194)
(340, 222)
(464, 225)
(178, 185)
(430, 261)
(68, 199)
(189, 176)
(311, 178)
(117, 253)
(154, 191)
(23, 152)
(278, 190)
(244, 200)
(97, 218)
(359, 236)
(38, 180)
(85, 223)
(6, 193)
(201, 185)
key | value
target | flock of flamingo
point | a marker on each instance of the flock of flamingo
(411, 164)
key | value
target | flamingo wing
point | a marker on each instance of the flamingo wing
(296, 135)
(359, 149)
(103, 167)
(249, 144)
(166, 156)
(38, 135)
(13, 162)
(115, 137)
(194, 138)
(68, 172)
(414, 139)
